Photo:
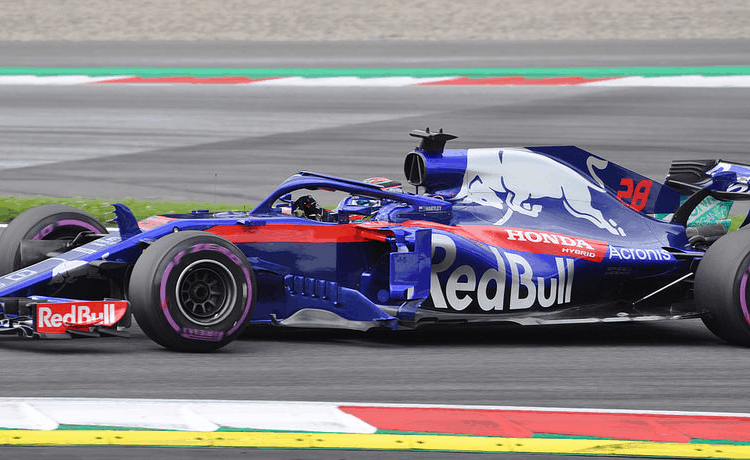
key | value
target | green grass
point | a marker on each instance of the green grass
(736, 222)
(11, 206)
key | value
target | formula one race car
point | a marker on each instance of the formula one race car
(537, 235)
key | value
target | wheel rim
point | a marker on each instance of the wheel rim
(206, 292)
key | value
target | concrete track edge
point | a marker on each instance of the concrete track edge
(318, 425)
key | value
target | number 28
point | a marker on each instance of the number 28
(636, 194)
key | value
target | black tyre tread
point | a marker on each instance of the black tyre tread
(717, 287)
(20, 227)
(142, 281)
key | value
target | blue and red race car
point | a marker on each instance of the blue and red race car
(537, 235)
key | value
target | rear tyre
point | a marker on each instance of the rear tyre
(192, 291)
(722, 287)
(47, 222)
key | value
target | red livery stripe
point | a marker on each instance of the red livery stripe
(299, 233)
(533, 241)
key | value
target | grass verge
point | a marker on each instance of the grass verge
(11, 206)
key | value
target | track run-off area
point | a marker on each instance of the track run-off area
(176, 125)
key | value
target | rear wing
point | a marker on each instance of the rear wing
(689, 176)
(718, 182)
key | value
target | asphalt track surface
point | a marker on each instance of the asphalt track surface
(236, 143)
(353, 54)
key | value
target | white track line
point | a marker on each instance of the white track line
(182, 415)
(61, 80)
(687, 81)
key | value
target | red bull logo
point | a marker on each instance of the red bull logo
(515, 180)
(510, 284)
(56, 317)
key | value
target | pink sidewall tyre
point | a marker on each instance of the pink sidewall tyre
(50, 222)
(722, 287)
(192, 291)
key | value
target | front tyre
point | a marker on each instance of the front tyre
(49, 222)
(192, 291)
(722, 287)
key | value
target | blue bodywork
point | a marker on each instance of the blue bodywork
(508, 235)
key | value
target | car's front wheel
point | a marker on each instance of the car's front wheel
(40, 230)
(192, 291)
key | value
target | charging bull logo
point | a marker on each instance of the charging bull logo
(514, 180)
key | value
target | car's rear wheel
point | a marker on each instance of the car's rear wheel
(40, 230)
(192, 291)
(722, 287)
